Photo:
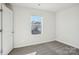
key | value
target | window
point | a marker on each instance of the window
(36, 24)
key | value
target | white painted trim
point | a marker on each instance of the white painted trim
(67, 43)
(41, 24)
(20, 45)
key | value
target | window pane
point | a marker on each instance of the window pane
(36, 24)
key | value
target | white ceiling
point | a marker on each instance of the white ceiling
(47, 6)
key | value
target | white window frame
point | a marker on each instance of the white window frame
(41, 24)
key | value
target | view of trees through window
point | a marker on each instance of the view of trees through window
(36, 24)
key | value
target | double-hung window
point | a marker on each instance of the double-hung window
(36, 24)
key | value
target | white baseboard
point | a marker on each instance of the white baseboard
(6, 53)
(67, 43)
(20, 45)
(59, 40)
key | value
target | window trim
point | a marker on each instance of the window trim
(41, 24)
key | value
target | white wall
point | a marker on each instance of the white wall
(67, 26)
(22, 24)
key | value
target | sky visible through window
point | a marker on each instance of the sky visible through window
(36, 18)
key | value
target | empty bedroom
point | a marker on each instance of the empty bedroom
(39, 28)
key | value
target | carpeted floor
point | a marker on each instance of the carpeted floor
(50, 48)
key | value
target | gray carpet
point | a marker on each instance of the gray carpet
(50, 48)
